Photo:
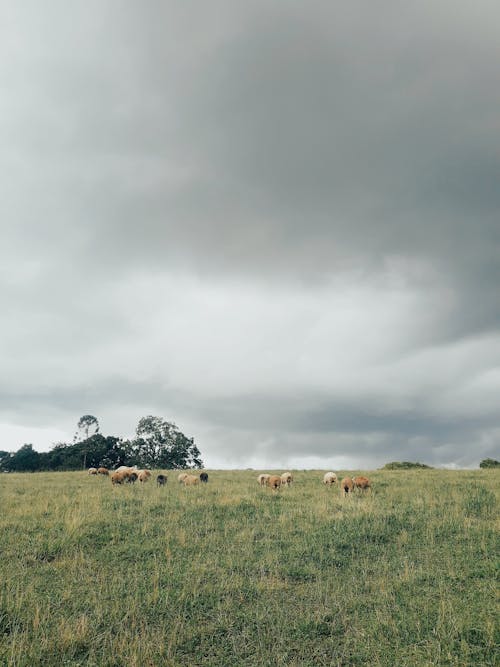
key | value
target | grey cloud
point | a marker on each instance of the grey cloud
(255, 144)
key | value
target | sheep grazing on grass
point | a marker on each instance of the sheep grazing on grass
(330, 478)
(119, 476)
(143, 475)
(126, 469)
(181, 477)
(274, 482)
(286, 479)
(102, 471)
(262, 479)
(362, 483)
(131, 477)
(161, 480)
(92, 471)
(190, 480)
(204, 477)
(346, 486)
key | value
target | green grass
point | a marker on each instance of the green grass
(232, 574)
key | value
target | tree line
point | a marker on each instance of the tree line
(157, 444)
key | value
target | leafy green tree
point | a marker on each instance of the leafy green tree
(98, 450)
(489, 463)
(4, 456)
(161, 444)
(24, 460)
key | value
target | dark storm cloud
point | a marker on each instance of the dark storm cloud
(251, 144)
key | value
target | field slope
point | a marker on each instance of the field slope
(231, 574)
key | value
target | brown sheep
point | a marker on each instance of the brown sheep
(262, 479)
(92, 471)
(181, 477)
(102, 471)
(362, 483)
(144, 475)
(274, 482)
(190, 480)
(286, 479)
(119, 476)
(330, 478)
(346, 486)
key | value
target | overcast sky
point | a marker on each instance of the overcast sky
(274, 223)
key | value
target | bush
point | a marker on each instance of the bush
(489, 463)
(404, 465)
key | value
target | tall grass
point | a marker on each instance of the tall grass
(231, 574)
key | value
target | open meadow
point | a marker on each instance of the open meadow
(228, 573)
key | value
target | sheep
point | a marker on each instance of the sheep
(131, 477)
(346, 486)
(92, 471)
(362, 483)
(161, 480)
(274, 482)
(329, 478)
(286, 479)
(262, 479)
(119, 476)
(127, 468)
(144, 475)
(204, 477)
(102, 471)
(190, 480)
(181, 477)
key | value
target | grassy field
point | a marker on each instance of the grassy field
(229, 574)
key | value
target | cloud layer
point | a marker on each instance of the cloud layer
(277, 225)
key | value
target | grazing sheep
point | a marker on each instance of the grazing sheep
(161, 480)
(274, 482)
(286, 479)
(119, 476)
(181, 477)
(102, 471)
(92, 471)
(262, 479)
(204, 477)
(131, 477)
(330, 478)
(190, 480)
(144, 475)
(126, 468)
(347, 486)
(362, 483)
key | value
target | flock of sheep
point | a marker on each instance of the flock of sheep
(347, 485)
(131, 474)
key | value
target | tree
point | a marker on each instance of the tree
(489, 463)
(4, 456)
(86, 424)
(24, 460)
(161, 444)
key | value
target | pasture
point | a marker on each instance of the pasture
(229, 573)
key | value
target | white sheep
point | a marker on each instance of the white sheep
(329, 478)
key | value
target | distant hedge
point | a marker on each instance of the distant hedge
(404, 465)
(489, 463)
